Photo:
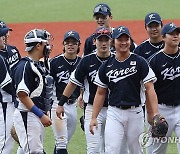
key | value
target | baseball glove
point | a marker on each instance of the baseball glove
(14, 135)
(159, 126)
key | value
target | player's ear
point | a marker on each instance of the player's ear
(111, 17)
(94, 41)
(163, 37)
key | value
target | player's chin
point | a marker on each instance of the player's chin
(155, 35)
(175, 43)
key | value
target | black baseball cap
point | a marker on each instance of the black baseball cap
(152, 17)
(169, 28)
(72, 34)
(103, 9)
(102, 31)
(120, 31)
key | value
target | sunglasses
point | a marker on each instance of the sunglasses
(101, 8)
(103, 31)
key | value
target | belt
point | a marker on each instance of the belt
(71, 101)
(173, 105)
(125, 107)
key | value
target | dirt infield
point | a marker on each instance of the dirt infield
(84, 28)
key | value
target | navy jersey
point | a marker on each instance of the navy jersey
(85, 74)
(124, 79)
(167, 70)
(146, 49)
(89, 45)
(5, 80)
(12, 56)
(61, 69)
(29, 78)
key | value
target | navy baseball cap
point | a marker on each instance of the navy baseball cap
(72, 34)
(120, 31)
(102, 31)
(152, 17)
(102, 9)
(169, 28)
(4, 28)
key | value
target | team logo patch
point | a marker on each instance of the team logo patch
(121, 29)
(70, 33)
(133, 63)
(151, 16)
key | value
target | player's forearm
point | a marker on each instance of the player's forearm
(26, 100)
(67, 93)
(151, 102)
(69, 89)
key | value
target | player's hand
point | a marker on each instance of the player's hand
(80, 102)
(46, 121)
(93, 124)
(150, 118)
(60, 112)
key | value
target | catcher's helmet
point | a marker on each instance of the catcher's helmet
(36, 36)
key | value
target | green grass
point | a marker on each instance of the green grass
(77, 144)
(15, 11)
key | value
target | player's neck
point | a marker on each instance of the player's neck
(156, 40)
(103, 54)
(170, 49)
(70, 56)
(34, 56)
(121, 56)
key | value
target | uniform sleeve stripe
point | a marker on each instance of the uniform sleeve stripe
(150, 79)
(100, 85)
(4, 84)
(23, 90)
(76, 82)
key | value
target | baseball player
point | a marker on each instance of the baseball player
(34, 88)
(12, 56)
(123, 75)
(6, 104)
(84, 76)
(11, 53)
(61, 68)
(102, 15)
(166, 64)
(153, 26)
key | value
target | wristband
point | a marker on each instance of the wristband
(37, 111)
(63, 100)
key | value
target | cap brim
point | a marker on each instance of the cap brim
(122, 34)
(71, 37)
(29, 48)
(157, 21)
(103, 35)
(3, 31)
(101, 12)
(174, 29)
